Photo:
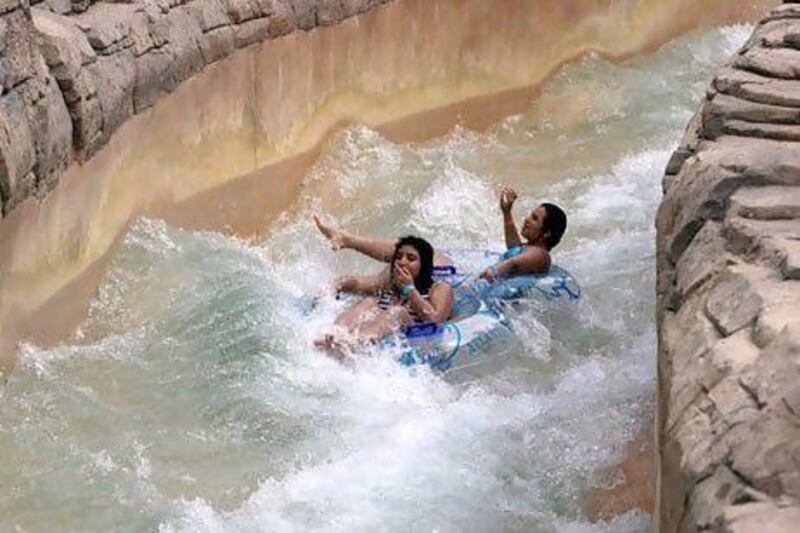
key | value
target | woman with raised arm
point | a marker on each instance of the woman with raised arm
(408, 293)
(542, 230)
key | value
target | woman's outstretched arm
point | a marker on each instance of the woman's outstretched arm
(364, 284)
(380, 249)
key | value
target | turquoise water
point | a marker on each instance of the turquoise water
(191, 400)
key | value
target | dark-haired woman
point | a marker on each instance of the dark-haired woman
(542, 230)
(408, 294)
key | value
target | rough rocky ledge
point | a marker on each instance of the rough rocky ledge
(729, 297)
(72, 71)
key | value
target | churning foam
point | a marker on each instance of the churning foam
(197, 349)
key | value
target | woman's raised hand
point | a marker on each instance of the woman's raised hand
(508, 195)
(335, 236)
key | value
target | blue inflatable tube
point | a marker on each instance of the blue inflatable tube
(555, 284)
(554, 287)
(480, 340)
(469, 348)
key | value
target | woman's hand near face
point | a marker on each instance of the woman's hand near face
(402, 277)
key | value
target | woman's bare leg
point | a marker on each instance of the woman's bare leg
(378, 325)
(358, 313)
(365, 322)
(345, 333)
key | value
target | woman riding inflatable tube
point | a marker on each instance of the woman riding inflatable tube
(542, 230)
(409, 293)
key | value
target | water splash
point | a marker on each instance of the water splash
(191, 400)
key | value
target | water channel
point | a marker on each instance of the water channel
(190, 398)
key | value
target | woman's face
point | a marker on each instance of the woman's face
(533, 224)
(407, 257)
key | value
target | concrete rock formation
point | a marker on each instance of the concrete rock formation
(729, 297)
(227, 148)
(72, 71)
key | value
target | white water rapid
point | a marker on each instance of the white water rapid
(190, 400)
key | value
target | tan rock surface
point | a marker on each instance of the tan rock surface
(766, 517)
(766, 203)
(72, 72)
(237, 125)
(68, 82)
(729, 245)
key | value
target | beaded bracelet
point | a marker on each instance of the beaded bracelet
(405, 291)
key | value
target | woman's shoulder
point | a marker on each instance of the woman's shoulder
(537, 257)
(513, 251)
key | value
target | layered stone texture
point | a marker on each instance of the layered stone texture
(90, 137)
(35, 127)
(729, 297)
(73, 71)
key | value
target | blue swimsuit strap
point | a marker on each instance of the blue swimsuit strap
(513, 252)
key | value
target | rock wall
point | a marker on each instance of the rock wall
(73, 71)
(729, 297)
(227, 149)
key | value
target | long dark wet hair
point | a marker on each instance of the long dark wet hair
(424, 280)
